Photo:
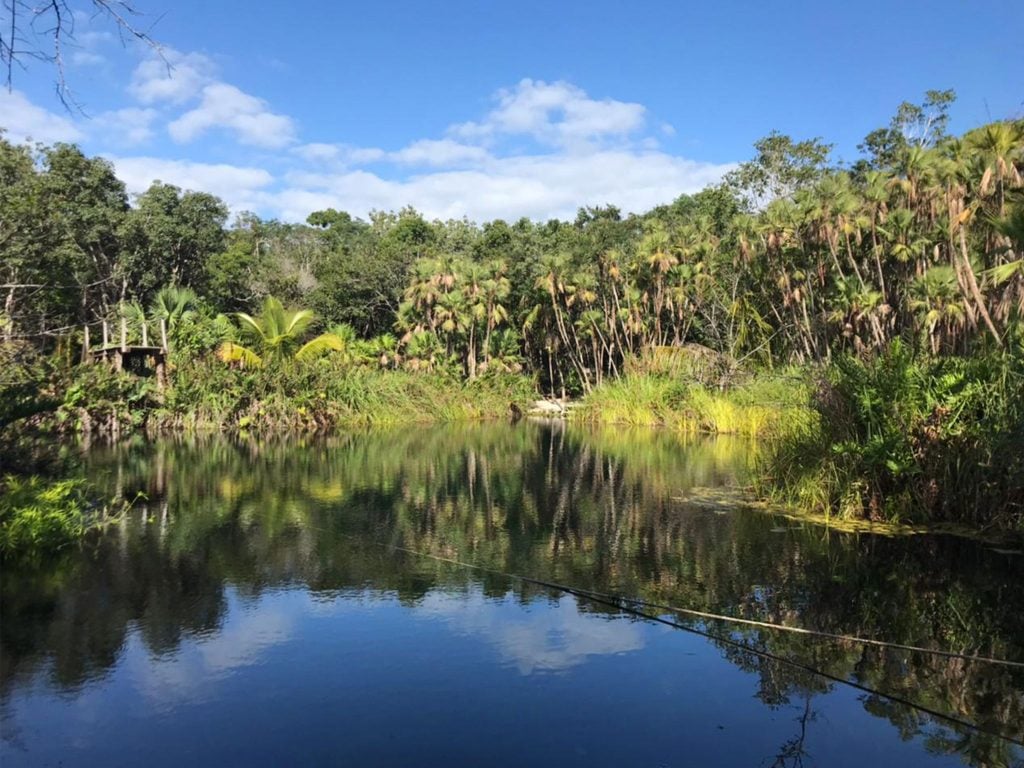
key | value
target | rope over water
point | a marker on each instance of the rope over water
(623, 604)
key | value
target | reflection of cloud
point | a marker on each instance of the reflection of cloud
(541, 640)
(247, 634)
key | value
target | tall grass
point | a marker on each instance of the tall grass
(767, 406)
(907, 439)
(324, 395)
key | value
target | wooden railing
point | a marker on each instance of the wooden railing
(118, 353)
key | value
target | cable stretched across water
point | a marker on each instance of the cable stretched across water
(623, 604)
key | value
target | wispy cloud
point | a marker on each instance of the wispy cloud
(128, 126)
(242, 187)
(24, 121)
(246, 117)
(173, 79)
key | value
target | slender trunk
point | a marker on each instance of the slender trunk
(853, 261)
(487, 337)
(975, 291)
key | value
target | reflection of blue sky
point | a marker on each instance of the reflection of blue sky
(549, 638)
(542, 637)
(291, 676)
(545, 636)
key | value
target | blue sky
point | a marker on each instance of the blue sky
(489, 109)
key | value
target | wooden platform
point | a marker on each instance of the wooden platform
(124, 356)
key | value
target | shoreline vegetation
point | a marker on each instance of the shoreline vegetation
(862, 320)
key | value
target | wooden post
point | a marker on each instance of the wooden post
(163, 333)
(106, 335)
(85, 345)
(124, 334)
(145, 334)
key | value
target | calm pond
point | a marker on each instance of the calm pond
(275, 604)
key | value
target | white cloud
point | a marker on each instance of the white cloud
(87, 43)
(87, 59)
(542, 152)
(439, 153)
(128, 126)
(556, 113)
(24, 121)
(317, 152)
(174, 79)
(595, 152)
(247, 117)
(338, 154)
(240, 187)
(536, 186)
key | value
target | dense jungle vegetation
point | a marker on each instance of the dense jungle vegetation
(875, 305)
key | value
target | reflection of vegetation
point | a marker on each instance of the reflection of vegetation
(638, 514)
(793, 751)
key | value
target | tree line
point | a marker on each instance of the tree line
(793, 257)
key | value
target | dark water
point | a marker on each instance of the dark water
(257, 610)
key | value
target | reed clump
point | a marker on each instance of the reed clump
(767, 405)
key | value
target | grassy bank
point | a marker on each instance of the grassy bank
(766, 406)
(908, 439)
(208, 396)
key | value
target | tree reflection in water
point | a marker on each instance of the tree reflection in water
(635, 513)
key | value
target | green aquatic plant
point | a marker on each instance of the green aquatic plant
(39, 515)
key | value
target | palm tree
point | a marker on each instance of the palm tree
(935, 296)
(276, 335)
(173, 304)
(999, 146)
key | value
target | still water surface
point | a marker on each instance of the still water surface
(260, 609)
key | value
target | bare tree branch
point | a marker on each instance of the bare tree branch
(42, 32)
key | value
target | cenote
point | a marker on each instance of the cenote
(306, 602)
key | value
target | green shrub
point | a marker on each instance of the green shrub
(27, 383)
(912, 439)
(104, 402)
(327, 393)
(40, 515)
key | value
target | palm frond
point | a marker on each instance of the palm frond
(325, 342)
(229, 352)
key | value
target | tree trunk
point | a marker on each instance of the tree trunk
(972, 282)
